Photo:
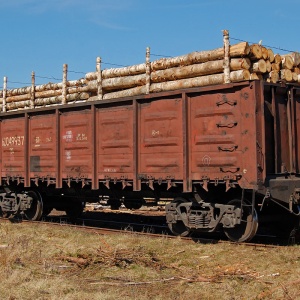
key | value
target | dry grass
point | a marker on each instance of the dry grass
(42, 262)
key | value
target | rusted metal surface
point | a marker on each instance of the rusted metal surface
(296, 128)
(222, 136)
(230, 134)
(76, 147)
(225, 140)
(42, 148)
(160, 140)
(13, 141)
(115, 145)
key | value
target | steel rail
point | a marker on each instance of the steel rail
(104, 231)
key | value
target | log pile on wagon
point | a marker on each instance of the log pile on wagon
(230, 63)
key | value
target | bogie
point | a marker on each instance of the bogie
(29, 203)
(239, 222)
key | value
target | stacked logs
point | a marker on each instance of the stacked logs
(191, 70)
(273, 67)
(43, 95)
(231, 63)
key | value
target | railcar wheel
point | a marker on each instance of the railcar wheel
(34, 213)
(179, 228)
(245, 231)
(4, 214)
(135, 204)
(114, 204)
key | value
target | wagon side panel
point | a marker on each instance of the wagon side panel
(161, 140)
(76, 146)
(42, 147)
(115, 144)
(13, 135)
(222, 138)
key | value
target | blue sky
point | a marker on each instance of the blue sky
(42, 35)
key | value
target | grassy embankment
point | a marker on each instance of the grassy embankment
(42, 262)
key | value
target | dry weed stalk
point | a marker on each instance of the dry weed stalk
(268, 294)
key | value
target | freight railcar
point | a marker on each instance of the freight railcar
(221, 152)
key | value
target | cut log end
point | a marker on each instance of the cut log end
(256, 52)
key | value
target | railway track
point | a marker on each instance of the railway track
(146, 230)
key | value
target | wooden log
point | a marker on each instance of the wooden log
(79, 89)
(48, 93)
(235, 76)
(256, 76)
(296, 58)
(18, 98)
(118, 72)
(239, 64)
(78, 97)
(255, 52)
(270, 55)
(64, 87)
(297, 70)
(277, 59)
(19, 91)
(79, 82)
(116, 83)
(148, 70)
(45, 87)
(207, 68)
(295, 76)
(226, 60)
(269, 66)
(32, 92)
(275, 67)
(286, 75)
(265, 54)
(287, 62)
(18, 105)
(273, 77)
(4, 94)
(59, 99)
(140, 90)
(259, 66)
(237, 50)
(48, 101)
(99, 78)
(48, 86)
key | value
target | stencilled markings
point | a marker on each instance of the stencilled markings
(155, 133)
(13, 141)
(68, 155)
(68, 137)
(110, 170)
(206, 160)
(81, 137)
